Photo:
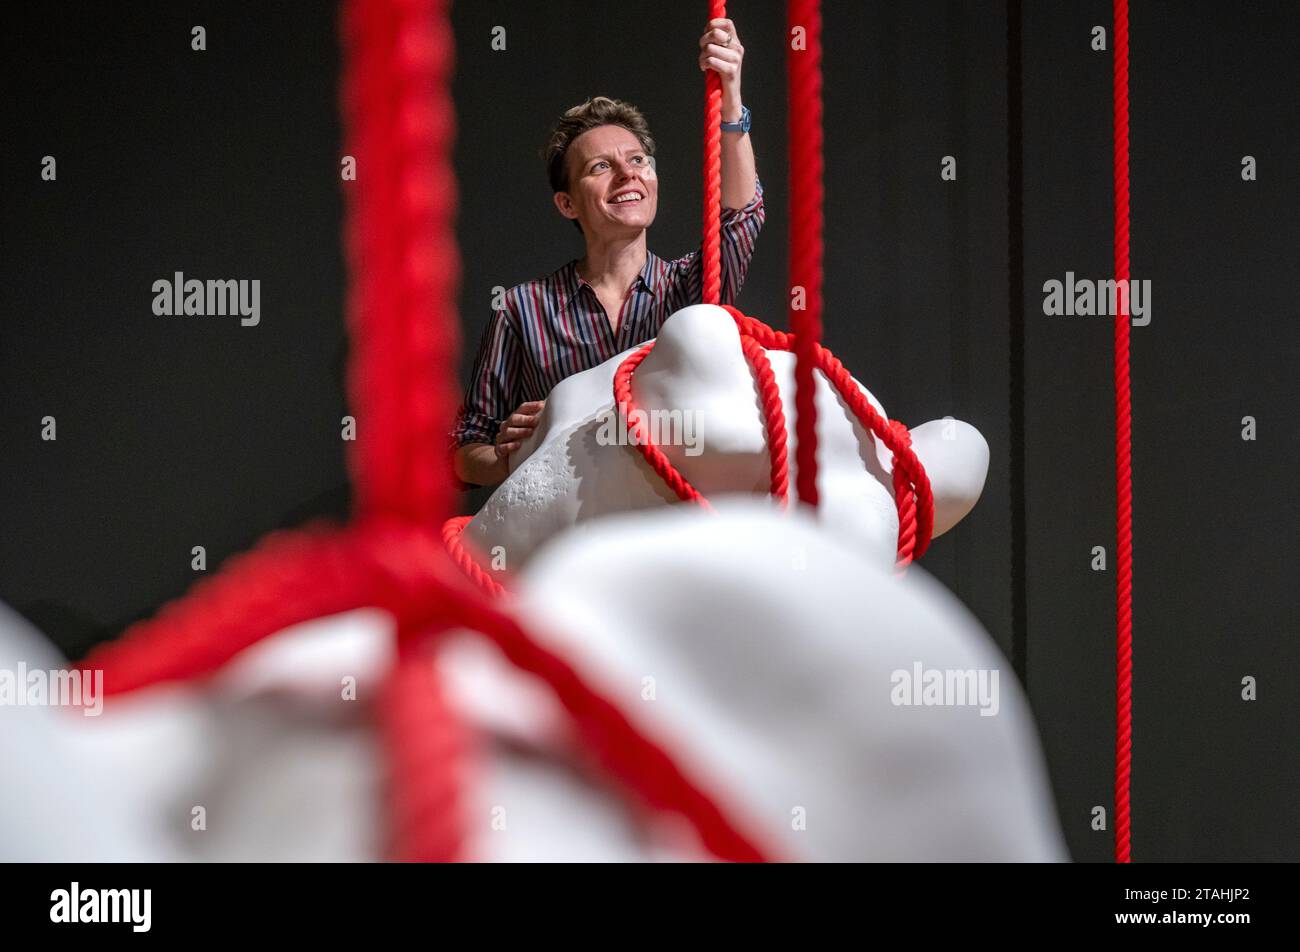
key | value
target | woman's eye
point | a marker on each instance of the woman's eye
(639, 159)
(596, 167)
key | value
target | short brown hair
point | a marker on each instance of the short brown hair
(597, 111)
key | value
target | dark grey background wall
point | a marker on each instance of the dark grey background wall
(175, 432)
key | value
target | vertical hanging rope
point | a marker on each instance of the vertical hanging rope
(713, 175)
(399, 124)
(1123, 454)
(804, 79)
(427, 752)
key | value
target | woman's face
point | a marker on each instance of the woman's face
(607, 170)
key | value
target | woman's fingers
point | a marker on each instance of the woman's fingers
(724, 67)
(717, 37)
(520, 419)
(510, 433)
(718, 32)
(721, 52)
(517, 427)
(720, 58)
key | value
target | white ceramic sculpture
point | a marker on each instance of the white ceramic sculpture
(756, 646)
(760, 647)
(570, 471)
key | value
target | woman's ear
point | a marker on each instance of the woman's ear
(565, 204)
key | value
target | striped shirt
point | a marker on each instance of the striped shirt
(555, 326)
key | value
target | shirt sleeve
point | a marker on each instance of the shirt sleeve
(739, 228)
(490, 394)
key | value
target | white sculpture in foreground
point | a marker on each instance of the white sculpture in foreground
(570, 471)
(768, 656)
(835, 711)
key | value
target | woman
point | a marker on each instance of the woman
(600, 161)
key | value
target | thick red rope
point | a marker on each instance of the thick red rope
(399, 121)
(404, 570)
(451, 538)
(804, 82)
(1123, 454)
(769, 396)
(426, 748)
(712, 246)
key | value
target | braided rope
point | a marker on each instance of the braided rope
(638, 436)
(452, 530)
(1123, 454)
(712, 246)
(804, 84)
(769, 396)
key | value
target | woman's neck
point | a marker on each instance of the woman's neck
(613, 263)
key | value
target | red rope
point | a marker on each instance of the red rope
(712, 247)
(399, 232)
(1123, 454)
(769, 396)
(426, 748)
(451, 538)
(640, 437)
(804, 82)
(399, 120)
(404, 570)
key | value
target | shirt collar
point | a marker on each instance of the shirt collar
(649, 279)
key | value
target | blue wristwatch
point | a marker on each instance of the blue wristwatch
(740, 126)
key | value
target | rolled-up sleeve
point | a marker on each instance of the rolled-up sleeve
(490, 394)
(739, 228)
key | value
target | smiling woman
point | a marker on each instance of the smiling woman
(585, 146)
(600, 163)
